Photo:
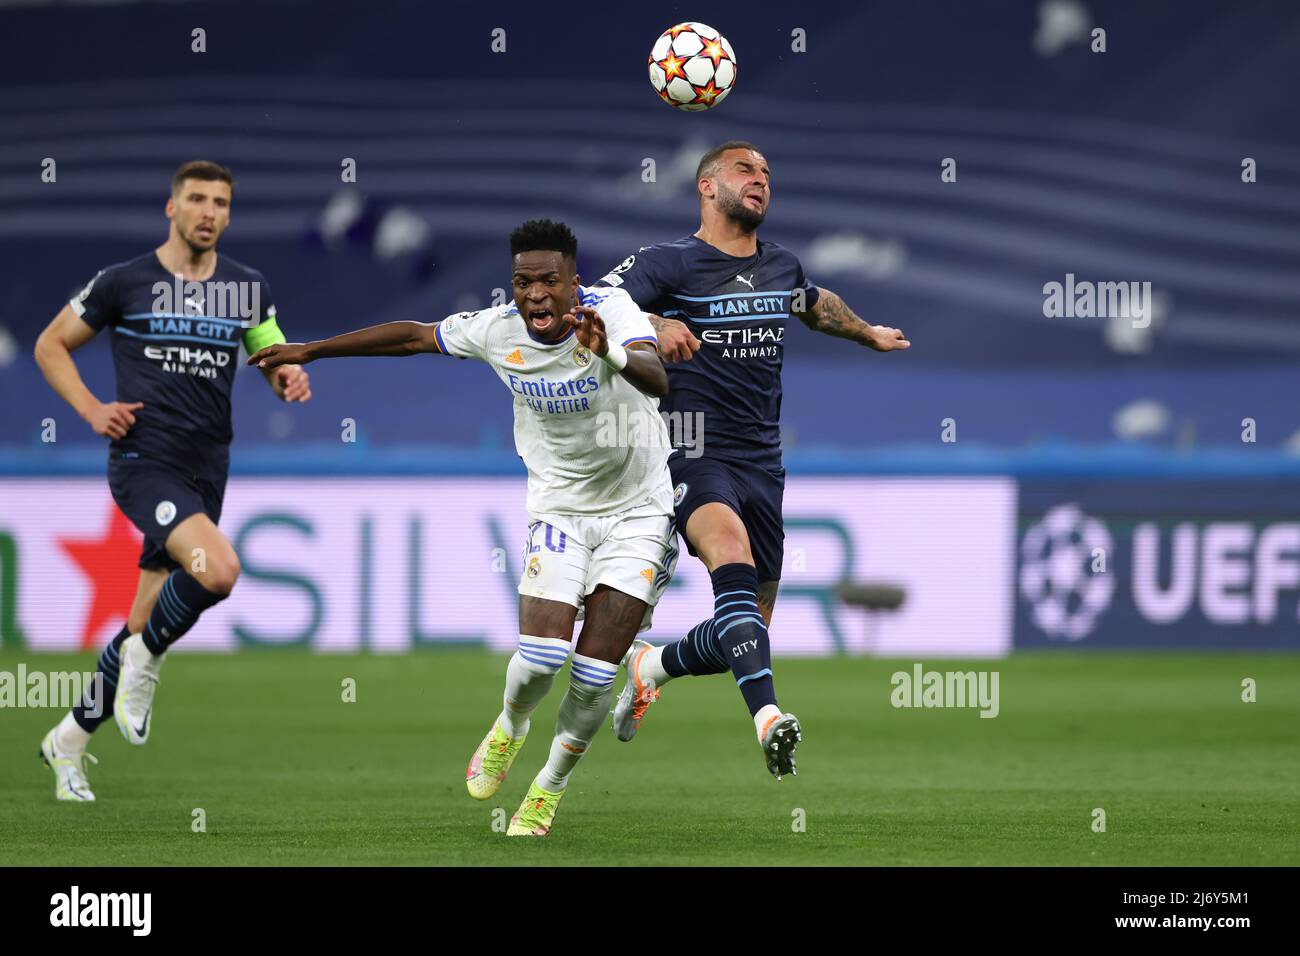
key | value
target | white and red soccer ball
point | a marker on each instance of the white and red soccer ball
(692, 67)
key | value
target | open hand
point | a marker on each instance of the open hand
(590, 326)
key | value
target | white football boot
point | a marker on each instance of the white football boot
(638, 694)
(69, 768)
(136, 685)
(778, 740)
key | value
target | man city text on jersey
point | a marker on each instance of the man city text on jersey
(738, 307)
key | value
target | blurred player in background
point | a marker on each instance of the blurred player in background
(178, 315)
(722, 297)
(600, 533)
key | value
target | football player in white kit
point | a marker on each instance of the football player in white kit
(581, 365)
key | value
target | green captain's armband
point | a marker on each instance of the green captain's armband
(260, 336)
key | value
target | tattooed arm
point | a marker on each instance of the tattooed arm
(830, 315)
(677, 343)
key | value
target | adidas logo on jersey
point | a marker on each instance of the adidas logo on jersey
(515, 358)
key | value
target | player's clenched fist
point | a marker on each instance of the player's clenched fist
(292, 384)
(677, 343)
(286, 353)
(114, 419)
(590, 326)
(885, 339)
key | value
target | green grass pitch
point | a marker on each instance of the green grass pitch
(287, 773)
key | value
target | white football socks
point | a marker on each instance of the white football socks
(583, 710)
(652, 666)
(764, 715)
(529, 676)
(69, 736)
(140, 655)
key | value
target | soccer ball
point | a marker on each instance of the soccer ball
(692, 67)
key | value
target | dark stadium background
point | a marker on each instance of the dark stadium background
(1122, 165)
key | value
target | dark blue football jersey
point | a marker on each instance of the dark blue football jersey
(738, 307)
(175, 348)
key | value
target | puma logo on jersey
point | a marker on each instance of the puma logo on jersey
(515, 358)
(749, 282)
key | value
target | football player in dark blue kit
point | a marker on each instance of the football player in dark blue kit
(177, 316)
(721, 299)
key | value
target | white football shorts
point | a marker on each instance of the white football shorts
(566, 556)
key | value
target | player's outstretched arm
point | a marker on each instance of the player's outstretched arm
(391, 338)
(54, 347)
(639, 362)
(830, 315)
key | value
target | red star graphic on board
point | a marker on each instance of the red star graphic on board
(110, 563)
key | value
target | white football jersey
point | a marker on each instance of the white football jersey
(593, 443)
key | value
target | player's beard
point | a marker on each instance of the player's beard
(198, 245)
(732, 205)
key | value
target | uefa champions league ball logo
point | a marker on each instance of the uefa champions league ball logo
(1056, 576)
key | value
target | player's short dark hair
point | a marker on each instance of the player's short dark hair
(205, 170)
(544, 235)
(709, 161)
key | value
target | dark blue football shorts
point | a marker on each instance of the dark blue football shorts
(752, 491)
(157, 497)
